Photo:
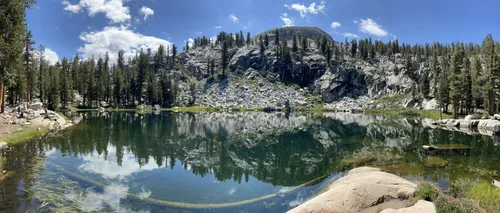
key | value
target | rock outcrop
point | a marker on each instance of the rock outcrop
(307, 75)
(421, 206)
(364, 189)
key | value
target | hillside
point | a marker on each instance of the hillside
(256, 80)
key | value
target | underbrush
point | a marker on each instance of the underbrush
(445, 203)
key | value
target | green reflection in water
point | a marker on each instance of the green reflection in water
(222, 158)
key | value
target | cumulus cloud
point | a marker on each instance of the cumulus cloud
(113, 9)
(335, 24)
(234, 18)
(355, 21)
(190, 42)
(351, 35)
(371, 27)
(218, 27)
(146, 12)
(108, 168)
(304, 10)
(50, 56)
(113, 39)
(286, 20)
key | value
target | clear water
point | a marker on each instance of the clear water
(223, 162)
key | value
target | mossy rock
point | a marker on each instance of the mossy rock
(452, 147)
(432, 161)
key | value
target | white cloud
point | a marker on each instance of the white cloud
(70, 7)
(371, 27)
(50, 56)
(113, 9)
(355, 21)
(146, 12)
(312, 9)
(234, 18)
(218, 27)
(114, 39)
(108, 167)
(199, 33)
(287, 21)
(190, 42)
(335, 24)
(351, 35)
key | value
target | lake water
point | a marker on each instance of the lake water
(225, 162)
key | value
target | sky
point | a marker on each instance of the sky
(94, 27)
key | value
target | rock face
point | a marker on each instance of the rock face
(421, 206)
(256, 79)
(364, 189)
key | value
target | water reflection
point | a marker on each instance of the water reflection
(224, 157)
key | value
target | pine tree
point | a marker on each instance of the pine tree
(304, 45)
(174, 53)
(295, 46)
(262, 47)
(248, 39)
(443, 90)
(276, 37)
(12, 37)
(491, 74)
(424, 84)
(455, 79)
(435, 72)
(477, 81)
(65, 90)
(266, 40)
(467, 85)
(28, 64)
(354, 48)
(225, 56)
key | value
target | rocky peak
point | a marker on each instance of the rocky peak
(287, 33)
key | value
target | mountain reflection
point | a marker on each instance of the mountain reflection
(278, 149)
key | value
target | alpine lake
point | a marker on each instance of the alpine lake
(226, 162)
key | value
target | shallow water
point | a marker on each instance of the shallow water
(224, 162)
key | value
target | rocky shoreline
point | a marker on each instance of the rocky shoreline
(367, 190)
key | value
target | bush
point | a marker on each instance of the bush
(427, 191)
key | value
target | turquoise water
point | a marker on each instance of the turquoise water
(224, 162)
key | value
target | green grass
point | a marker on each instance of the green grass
(191, 109)
(445, 203)
(433, 114)
(485, 193)
(27, 133)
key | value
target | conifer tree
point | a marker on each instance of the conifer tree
(248, 39)
(295, 46)
(443, 90)
(455, 79)
(225, 56)
(467, 97)
(477, 82)
(276, 37)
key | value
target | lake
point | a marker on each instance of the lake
(226, 162)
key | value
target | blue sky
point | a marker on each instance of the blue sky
(92, 27)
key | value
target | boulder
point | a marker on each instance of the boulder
(363, 189)
(496, 183)
(36, 106)
(3, 145)
(473, 116)
(431, 105)
(419, 207)
(496, 116)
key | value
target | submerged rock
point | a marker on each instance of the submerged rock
(435, 161)
(419, 207)
(363, 189)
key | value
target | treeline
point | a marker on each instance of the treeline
(143, 80)
(465, 76)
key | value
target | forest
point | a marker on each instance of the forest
(463, 75)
